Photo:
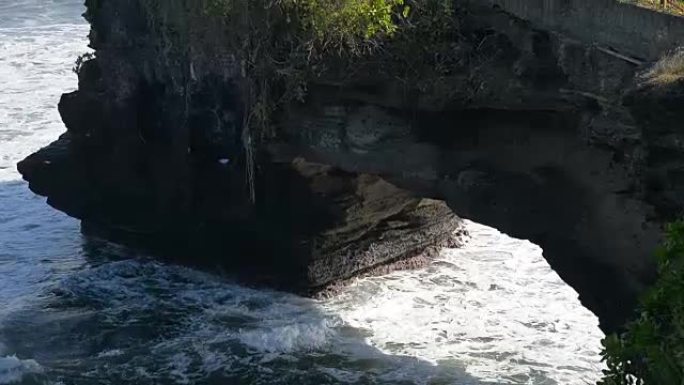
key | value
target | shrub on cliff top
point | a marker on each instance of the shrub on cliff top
(667, 70)
(651, 350)
(675, 7)
(312, 21)
(281, 45)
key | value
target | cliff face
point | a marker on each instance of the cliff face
(655, 102)
(528, 133)
(154, 154)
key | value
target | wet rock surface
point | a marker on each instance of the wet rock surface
(529, 133)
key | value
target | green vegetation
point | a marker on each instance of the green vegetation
(283, 43)
(80, 60)
(667, 70)
(651, 350)
(675, 7)
(311, 22)
(280, 46)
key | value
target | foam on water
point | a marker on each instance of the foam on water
(180, 325)
(39, 40)
(35, 69)
(84, 311)
(495, 305)
(13, 370)
(477, 315)
(493, 312)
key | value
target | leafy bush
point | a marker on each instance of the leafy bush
(667, 70)
(282, 45)
(651, 350)
(675, 7)
(352, 18)
(80, 60)
(310, 21)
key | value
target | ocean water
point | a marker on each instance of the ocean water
(76, 310)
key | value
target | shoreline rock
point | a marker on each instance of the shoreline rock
(527, 132)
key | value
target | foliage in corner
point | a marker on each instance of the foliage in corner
(80, 60)
(668, 70)
(651, 350)
(675, 7)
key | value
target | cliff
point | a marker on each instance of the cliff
(155, 155)
(513, 125)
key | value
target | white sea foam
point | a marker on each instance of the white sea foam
(263, 320)
(35, 69)
(296, 336)
(495, 305)
(39, 40)
(13, 370)
(492, 311)
(110, 353)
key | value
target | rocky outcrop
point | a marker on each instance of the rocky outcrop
(526, 131)
(315, 224)
(154, 156)
(542, 147)
(656, 102)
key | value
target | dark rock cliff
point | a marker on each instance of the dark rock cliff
(154, 155)
(530, 133)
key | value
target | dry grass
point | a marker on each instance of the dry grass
(675, 7)
(667, 70)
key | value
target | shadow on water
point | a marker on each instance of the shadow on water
(90, 312)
